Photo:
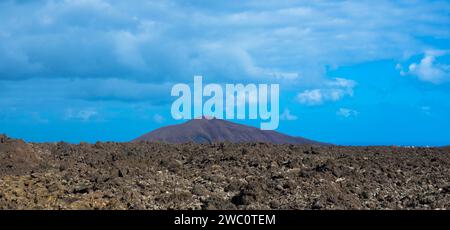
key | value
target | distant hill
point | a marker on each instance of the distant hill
(218, 130)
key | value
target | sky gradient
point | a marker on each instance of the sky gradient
(350, 72)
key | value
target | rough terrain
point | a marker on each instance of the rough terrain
(144, 175)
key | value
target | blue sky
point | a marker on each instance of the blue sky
(350, 72)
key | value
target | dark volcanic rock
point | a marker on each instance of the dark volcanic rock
(3, 138)
(144, 175)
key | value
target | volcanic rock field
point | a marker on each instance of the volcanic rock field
(154, 176)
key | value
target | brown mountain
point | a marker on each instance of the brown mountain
(217, 130)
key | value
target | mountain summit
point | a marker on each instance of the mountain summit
(210, 130)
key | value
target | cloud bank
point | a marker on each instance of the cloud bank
(428, 69)
(167, 41)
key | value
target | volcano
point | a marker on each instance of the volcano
(211, 130)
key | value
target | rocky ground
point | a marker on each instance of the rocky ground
(221, 176)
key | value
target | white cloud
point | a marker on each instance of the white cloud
(399, 67)
(342, 83)
(158, 118)
(284, 75)
(83, 114)
(311, 97)
(344, 112)
(333, 90)
(425, 110)
(287, 116)
(428, 69)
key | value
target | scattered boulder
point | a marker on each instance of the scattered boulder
(3, 138)
(245, 197)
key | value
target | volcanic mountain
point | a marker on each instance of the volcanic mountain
(218, 130)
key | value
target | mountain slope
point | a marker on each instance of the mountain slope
(217, 130)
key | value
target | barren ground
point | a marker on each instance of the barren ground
(221, 176)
